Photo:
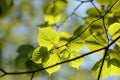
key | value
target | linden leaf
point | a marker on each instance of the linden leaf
(48, 37)
(76, 44)
(111, 66)
(75, 63)
(64, 37)
(96, 69)
(114, 31)
(55, 7)
(39, 54)
(52, 19)
(64, 54)
(51, 59)
(95, 41)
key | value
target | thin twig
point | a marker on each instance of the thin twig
(83, 30)
(32, 76)
(110, 8)
(105, 29)
(96, 7)
(69, 15)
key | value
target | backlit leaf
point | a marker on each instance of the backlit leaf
(109, 69)
(64, 37)
(114, 31)
(76, 44)
(95, 41)
(64, 54)
(55, 7)
(38, 54)
(96, 69)
(51, 59)
(52, 19)
(75, 63)
(48, 37)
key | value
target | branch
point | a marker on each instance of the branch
(93, 22)
(41, 69)
(105, 54)
(3, 71)
(103, 60)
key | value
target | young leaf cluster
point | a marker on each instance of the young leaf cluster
(53, 49)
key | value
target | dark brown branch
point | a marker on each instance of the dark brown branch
(103, 60)
(105, 54)
(3, 71)
(29, 72)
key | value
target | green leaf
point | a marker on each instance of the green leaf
(64, 37)
(48, 37)
(116, 8)
(76, 44)
(115, 53)
(104, 2)
(111, 65)
(115, 62)
(95, 41)
(114, 31)
(55, 7)
(38, 54)
(92, 11)
(23, 56)
(51, 59)
(30, 65)
(75, 63)
(64, 54)
(51, 20)
(96, 69)
(5, 7)
(80, 31)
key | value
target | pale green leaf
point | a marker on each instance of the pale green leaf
(114, 31)
(95, 41)
(50, 19)
(114, 28)
(76, 44)
(51, 59)
(111, 66)
(48, 37)
(96, 69)
(55, 7)
(76, 63)
(64, 54)
(38, 54)
(63, 38)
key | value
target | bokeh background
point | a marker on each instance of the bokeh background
(20, 28)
